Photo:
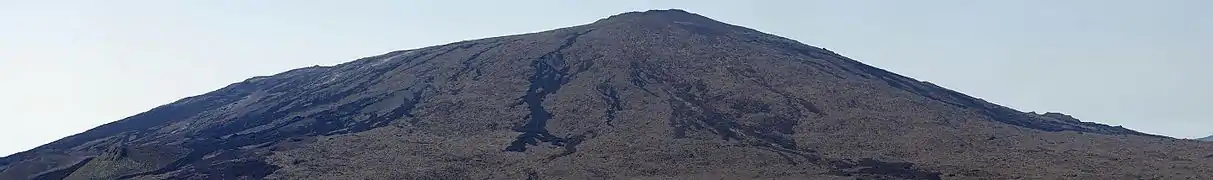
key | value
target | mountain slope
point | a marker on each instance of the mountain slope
(1210, 138)
(656, 94)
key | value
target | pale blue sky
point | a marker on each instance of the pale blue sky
(71, 65)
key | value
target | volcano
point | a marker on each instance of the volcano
(661, 94)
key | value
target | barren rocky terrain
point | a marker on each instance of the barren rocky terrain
(663, 94)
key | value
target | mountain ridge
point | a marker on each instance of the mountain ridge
(668, 86)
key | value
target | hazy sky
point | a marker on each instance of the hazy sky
(67, 66)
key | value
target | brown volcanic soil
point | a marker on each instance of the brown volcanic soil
(644, 95)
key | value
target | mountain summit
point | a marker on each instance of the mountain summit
(661, 94)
